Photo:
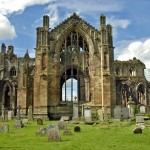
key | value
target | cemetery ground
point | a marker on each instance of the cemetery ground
(112, 136)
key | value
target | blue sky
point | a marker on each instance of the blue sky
(130, 20)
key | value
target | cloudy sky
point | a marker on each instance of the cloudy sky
(130, 20)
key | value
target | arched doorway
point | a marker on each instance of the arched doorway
(7, 96)
(125, 94)
(141, 94)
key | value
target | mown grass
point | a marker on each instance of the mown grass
(116, 136)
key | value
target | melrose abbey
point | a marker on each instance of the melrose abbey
(73, 62)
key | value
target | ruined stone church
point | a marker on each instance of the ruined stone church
(73, 62)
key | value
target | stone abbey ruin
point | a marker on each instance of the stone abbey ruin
(73, 62)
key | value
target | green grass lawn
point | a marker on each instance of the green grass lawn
(118, 136)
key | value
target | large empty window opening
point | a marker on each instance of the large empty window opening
(69, 90)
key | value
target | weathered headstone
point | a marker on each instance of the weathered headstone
(125, 113)
(100, 114)
(62, 125)
(54, 134)
(24, 121)
(50, 126)
(9, 115)
(39, 121)
(142, 109)
(139, 118)
(87, 113)
(131, 106)
(75, 109)
(4, 128)
(19, 122)
(105, 114)
(117, 112)
(30, 113)
(41, 131)
(67, 132)
(64, 118)
(140, 121)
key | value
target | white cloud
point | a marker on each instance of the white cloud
(53, 13)
(118, 23)
(8, 7)
(90, 6)
(86, 7)
(139, 49)
(7, 31)
(11, 6)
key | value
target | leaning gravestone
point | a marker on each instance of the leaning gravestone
(117, 112)
(54, 134)
(125, 113)
(4, 128)
(39, 121)
(62, 125)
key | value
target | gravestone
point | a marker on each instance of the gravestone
(142, 109)
(117, 112)
(87, 114)
(100, 114)
(139, 118)
(4, 128)
(39, 121)
(140, 121)
(54, 134)
(50, 126)
(131, 106)
(24, 121)
(19, 122)
(41, 131)
(67, 132)
(62, 125)
(9, 115)
(30, 113)
(125, 113)
(64, 118)
(104, 109)
(75, 109)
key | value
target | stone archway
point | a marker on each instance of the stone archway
(141, 94)
(7, 96)
(75, 55)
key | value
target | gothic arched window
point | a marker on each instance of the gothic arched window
(12, 72)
